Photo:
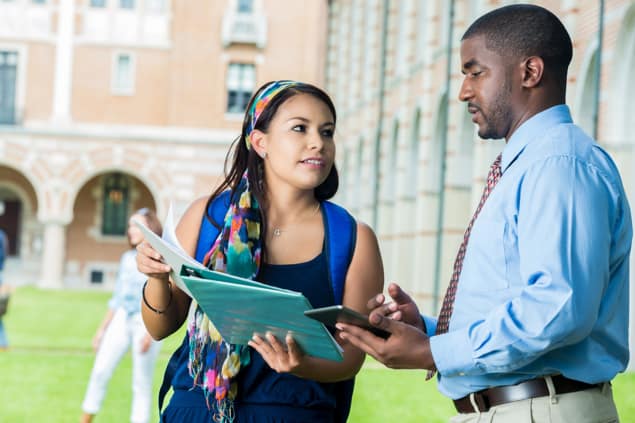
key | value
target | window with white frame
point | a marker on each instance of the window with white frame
(126, 4)
(241, 81)
(245, 6)
(98, 3)
(401, 41)
(8, 87)
(422, 24)
(123, 74)
(38, 1)
(155, 6)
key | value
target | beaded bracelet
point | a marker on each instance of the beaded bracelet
(145, 301)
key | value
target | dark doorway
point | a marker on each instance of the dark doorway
(10, 223)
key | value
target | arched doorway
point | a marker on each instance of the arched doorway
(96, 237)
(18, 219)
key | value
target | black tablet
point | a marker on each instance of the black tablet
(338, 313)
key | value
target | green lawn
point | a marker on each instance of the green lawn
(44, 375)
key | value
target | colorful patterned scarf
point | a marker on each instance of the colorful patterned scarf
(213, 363)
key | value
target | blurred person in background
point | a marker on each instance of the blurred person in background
(4, 251)
(121, 328)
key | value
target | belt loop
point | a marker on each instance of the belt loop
(474, 404)
(552, 389)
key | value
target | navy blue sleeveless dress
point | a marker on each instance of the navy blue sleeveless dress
(265, 396)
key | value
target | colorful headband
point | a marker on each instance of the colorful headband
(261, 101)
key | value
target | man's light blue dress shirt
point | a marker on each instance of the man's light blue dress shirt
(127, 293)
(544, 285)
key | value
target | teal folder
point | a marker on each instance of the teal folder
(240, 307)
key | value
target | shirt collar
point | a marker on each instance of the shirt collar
(533, 128)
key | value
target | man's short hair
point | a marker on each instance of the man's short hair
(523, 30)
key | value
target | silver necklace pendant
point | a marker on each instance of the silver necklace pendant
(277, 232)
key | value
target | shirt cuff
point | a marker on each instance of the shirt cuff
(452, 352)
(430, 324)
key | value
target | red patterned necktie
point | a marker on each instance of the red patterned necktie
(448, 301)
(443, 321)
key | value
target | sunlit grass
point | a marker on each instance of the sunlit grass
(44, 375)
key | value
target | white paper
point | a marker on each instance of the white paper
(169, 232)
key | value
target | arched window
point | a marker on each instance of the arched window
(422, 23)
(401, 41)
(588, 96)
(436, 155)
(620, 127)
(359, 184)
(391, 171)
(413, 167)
(116, 189)
(370, 50)
(344, 187)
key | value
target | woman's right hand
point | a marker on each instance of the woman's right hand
(149, 262)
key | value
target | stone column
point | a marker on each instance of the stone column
(53, 249)
(64, 62)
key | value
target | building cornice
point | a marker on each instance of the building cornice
(168, 134)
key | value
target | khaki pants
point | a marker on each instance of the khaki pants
(589, 406)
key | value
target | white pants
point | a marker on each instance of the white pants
(122, 332)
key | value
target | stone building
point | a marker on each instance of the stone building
(411, 161)
(111, 105)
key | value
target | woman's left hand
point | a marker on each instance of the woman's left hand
(281, 358)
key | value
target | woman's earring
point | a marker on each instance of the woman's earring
(264, 155)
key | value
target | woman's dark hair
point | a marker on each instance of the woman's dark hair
(240, 158)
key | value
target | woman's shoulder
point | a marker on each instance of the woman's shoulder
(366, 235)
(188, 227)
(194, 211)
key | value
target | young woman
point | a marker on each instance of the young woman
(282, 171)
(122, 328)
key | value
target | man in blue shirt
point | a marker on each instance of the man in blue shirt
(535, 322)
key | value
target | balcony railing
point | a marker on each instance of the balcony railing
(25, 21)
(123, 26)
(244, 28)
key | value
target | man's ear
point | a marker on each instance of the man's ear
(533, 69)
(258, 140)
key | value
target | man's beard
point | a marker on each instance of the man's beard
(498, 116)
